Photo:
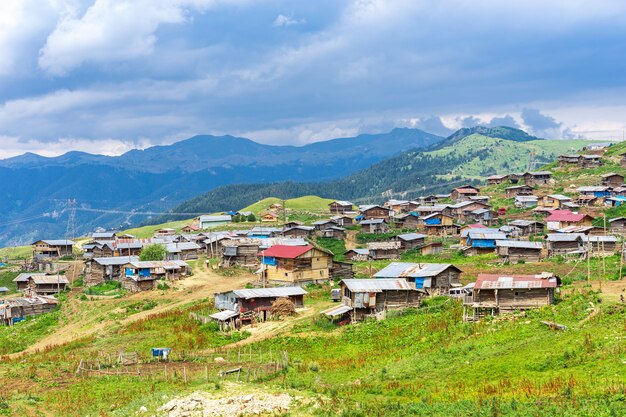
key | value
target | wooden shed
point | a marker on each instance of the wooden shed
(99, 270)
(410, 241)
(612, 179)
(515, 190)
(493, 293)
(41, 284)
(528, 227)
(516, 250)
(565, 244)
(357, 254)
(52, 248)
(433, 278)
(340, 207)
(257, 301)
(374, 226)
(142, 275)
(617, 225)
(14, 310)
(299, 265)
(384, 250)
(362, 298)
(375, 212)
(240, 252)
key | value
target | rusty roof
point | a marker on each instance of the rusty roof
(413, 270)
(495, 281)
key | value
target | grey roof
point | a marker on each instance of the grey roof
(601, 239)
(480, 211)
(515, 187)
(592, 189)
(159, 264)
(50, 279)
(336, 228)
(100, 235)
(224, 315)
(373, 221)
(337, 310)
(519, 244)
(23, 277)
(377, 284)
(492, 234)
(56, 242)
(411, 236)
(524, 223)
(343, 203)
(218, 218)
(115, 260)
(359, 251)
(129, 245)
(434, 214)
(535, 173)
(559, 197)
(181, 246)
(590, 156)
(259, 229)
(564, 237)
(322, 222)
(616, 219)
(412, 270)
(526, 198)
(247, 293)
(610, 174)
(436, 207)
(4, 289)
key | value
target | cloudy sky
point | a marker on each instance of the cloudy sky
(108, 75)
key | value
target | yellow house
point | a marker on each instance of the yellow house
(553, 201)
(298, 265)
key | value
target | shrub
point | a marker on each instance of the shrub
(154, 252)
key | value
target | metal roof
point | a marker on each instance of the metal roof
(23, 277)
(519, 244)
(322, 222)
(383, 245)
(175, 264)
(373, 221)
(600, 239)
(337, 310)
(115, 260)
(611, 174)
(493, 281)
(359, 251)
(525, 223)
(343, 203)
(564, 237)
(526, 198)
(4, 289)
(99, 235)
(224, 315)
(50, 279)
(181, 246)
(277, 292)
(411, 236)
(590, 189)
(56, 242)
(412, 270)
(536, 173)
(286, 251)
(564, 216)
(219, 218)
(378, 284)
(491, 234)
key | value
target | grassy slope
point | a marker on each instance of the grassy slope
(307, 203)
(505, 156)
(148, 231)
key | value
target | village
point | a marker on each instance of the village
(373, 274)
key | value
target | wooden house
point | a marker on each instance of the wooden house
(525, 201)
(41, 284)
(343, 220)
(497, 179)
(481, 241)
(617, 225)
(435, 279)
(269, 217)
(333, 232)
(370, 212)
(362, 298)
(464, 193)
(165, 231)
(292, 223)
(299, 265)
(14, 310)
(428, 200)
(240, 252)
(410, 241)
(374, 226)
(209, 222)
(299, 231)
(559, 219)
(528, 227)
(127, 247)
(515, 190)
(190, 228)
(357, 254)
(564, 244)
(568, 159)
(424, 211)
(600, 245)
(52, 248)
(103, 236)
(340, 207)
(537, 178)
(496, 294)
(481, 215)
(183, 251)
(462, 211)
(589, 161)
(142, 275)
(516, 250)
(384, 250)
(255, 304)
(612, 179)
(407, 221)
(100, 270)
(397, 206)
(597, 148)
(552, 201)
(323, 224)
(439, 224)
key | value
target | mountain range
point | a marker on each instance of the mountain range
(33, 202)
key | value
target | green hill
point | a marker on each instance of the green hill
(309, 203)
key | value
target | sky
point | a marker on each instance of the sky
(106, 76)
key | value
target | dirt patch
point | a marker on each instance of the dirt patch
(203, 404)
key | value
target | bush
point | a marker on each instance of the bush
(104, 288)
(163, 286)
(154, 252)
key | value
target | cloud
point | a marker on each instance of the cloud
(287, 20)
(431, 124)
(112, 31)
(13, 146)
(506, 120)
(543, 125)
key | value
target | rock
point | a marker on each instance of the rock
(143, 409)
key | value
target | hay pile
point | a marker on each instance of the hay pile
(283, 307)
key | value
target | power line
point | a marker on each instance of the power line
(146, 213)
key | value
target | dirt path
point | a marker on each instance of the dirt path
(203, 284)
(350, 240)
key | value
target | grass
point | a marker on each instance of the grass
(308, 203)
(25, 333)
(106, 288)
(6, 280)
(336, 246)
(16, 252)
(148, 231)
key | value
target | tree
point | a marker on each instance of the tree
(251, 218)
(154, 252)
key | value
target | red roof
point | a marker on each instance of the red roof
(564, 216)
(285, 251)
(495, 281)
(477, 226)
(466, 190)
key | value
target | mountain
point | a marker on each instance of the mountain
(499, 132)
(36, 189)
(410, 174)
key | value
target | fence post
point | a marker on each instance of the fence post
(185, 373)
(166, 372)
(206, 373)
